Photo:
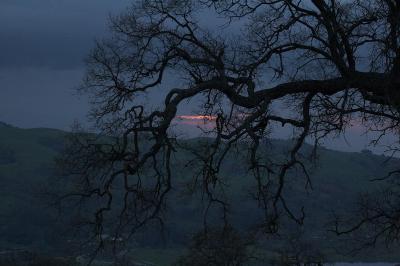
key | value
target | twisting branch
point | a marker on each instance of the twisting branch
(312, 66)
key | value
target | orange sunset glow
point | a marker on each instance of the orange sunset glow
(196, 117)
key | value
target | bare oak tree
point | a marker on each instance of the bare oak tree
(312, 66)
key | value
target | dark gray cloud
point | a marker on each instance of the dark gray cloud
(52, 33)
(43, 46)
(43, 43)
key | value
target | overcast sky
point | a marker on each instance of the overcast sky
(43, 44)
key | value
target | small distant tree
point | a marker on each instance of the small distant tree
(296, 249)
(216, 246)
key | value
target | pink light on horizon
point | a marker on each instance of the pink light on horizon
(197, 117)
(354, 139)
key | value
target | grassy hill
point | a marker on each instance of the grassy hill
(27, 166)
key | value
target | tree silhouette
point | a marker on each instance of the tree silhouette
(314, 67)
(217, 246)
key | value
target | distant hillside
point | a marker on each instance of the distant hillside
(26, 164)
(27, 167)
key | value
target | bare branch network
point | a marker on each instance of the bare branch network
(314, 66)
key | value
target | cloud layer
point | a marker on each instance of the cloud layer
(51, 33)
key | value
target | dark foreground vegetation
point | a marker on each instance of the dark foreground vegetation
(34, 231)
